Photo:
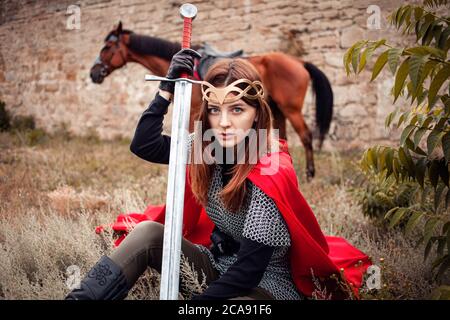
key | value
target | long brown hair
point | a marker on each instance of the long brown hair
(233, 195)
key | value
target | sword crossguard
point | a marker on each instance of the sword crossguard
(150, 77)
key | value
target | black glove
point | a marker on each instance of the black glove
(223, 243)
(182, 61)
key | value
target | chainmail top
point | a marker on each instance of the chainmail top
(259, 220)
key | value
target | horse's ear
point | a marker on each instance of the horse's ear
(119, 28)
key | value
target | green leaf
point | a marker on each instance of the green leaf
(400, 78)
(441, 246)
(441, 293)
(427, 122)
(428, 247)
(420, 117)
(443, 38)
(379, 43)
(367, 54)
(414, 119)
(416, 64)
(381, 159)
(372, 159)
(406, 10)
(427, 70)
(418, 51)
(415, 149)
(446, 101)
(447, 45)
(406, 133)
(421, 166)
(433, 139)
(445, 227)
(395, 16)
(446, 146)
(443, 268)
(417, 28)
(401, 119)
(409, 86)
(397, 217)
(390, 212)
(442, 76)
(362, 61)
(348, 56)
(388, 160)
(430, 225)
(418, 12)
(442, 121)
(355, 57)
(418, 93)
(412, 222)
(433, 173)
(429, 33)
(421, 94)
(425, 26)
(437, 196)
(393, 58)
(389, 118)
(402, 157)
(405, 159)
(396, 168)
(434, 3)
(379, 64)
(425, 192)
(418, 136)
(356, 54)
(443, 172)
(438, 53)
(437, 33)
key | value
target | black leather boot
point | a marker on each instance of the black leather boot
(105, 281)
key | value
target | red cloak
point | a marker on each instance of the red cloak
(311, 251)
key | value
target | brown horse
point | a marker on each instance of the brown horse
(285, 77)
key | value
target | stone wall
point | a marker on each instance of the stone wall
(44, 67)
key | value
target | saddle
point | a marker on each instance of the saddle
(210, 55)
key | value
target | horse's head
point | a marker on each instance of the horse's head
(113, 55)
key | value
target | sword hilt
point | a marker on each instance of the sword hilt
(188, 12)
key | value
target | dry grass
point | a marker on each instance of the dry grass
(53, 194)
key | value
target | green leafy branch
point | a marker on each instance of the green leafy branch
(421, 162)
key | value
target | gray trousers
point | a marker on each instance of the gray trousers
(142, 248)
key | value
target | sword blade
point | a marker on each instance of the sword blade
(173, 226)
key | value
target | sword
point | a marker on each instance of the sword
(170, 270)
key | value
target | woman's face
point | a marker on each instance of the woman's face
(231, 122)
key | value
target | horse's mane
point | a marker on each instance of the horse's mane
(148, 45)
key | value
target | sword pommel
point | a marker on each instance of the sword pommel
(188, 10)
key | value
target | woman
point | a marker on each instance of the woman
(247, 227)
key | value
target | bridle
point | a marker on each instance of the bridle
(106, 66)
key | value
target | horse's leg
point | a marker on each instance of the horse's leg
(279, 120)
(290, 97)
(288, 81)
(300, 126)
